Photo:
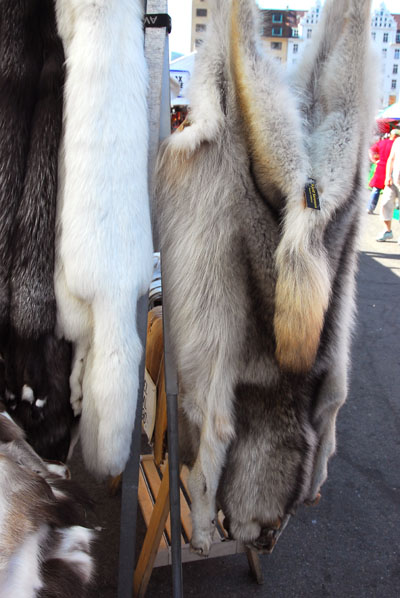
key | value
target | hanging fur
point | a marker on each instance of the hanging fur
(20, 65)
(45, 550)
(261, 288)
(33, 309)
(36, 390)
(36, 365)
(104, 247)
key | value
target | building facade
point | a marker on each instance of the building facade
(279, 26)
(385, 32)
(200, 20)
(285, 33)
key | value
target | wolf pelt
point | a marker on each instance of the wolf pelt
(45, 547)
(34, 363)
(261, 288)
(104, 245)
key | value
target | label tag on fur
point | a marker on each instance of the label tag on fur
(311, 195)
(158, 21)
(149, 406)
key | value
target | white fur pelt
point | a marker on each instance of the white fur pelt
(104, 245)
(45, 547)
(261, 288)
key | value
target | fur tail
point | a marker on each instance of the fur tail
(334, 93)
(110, 385)
(275, 139)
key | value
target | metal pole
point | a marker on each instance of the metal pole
(171, 387)
(157, 55)
(130, 478)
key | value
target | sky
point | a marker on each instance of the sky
(181, 14)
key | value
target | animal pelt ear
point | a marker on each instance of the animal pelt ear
(334, 93)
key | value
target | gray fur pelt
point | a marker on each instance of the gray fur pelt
(261, 288)
(36, 365)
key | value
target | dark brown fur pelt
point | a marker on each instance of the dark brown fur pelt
(36, 364)
(20, 66)
(45, 412)
(33, 308)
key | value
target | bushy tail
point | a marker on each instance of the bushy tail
(110, 386)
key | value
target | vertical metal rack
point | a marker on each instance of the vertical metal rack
(157, 58)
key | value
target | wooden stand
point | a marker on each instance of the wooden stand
(154, 487)
(156, 548)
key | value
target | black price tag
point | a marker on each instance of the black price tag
(311, 195)
(158, 20)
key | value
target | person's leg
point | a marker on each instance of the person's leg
(373, 200)
(388, 198)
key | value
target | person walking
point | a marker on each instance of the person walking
(391, 191)
(379, 154)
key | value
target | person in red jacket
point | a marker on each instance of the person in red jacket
(379, 154)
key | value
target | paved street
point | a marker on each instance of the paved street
(348, 546)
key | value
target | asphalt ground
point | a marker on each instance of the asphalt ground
(347, 546)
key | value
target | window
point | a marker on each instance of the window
(397, 38)
(395, 69)
(198, 42)
(201, 12)
(384, 52)
(396, 54)
(385, 38)
(295, 33)
(276, 31)
(276, 45)
(295, 48)
(393, 83)
(277, 18)
(200, 28)
(309, 33)
(373, 35)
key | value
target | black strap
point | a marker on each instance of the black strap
(158, 20)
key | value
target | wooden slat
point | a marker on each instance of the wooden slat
(147, 506)
(152, 539)
(160, 430)
(154, 481)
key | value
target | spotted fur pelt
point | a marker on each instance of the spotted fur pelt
(45, 546)
(36, 365)
(261, 288)
(104, 245)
